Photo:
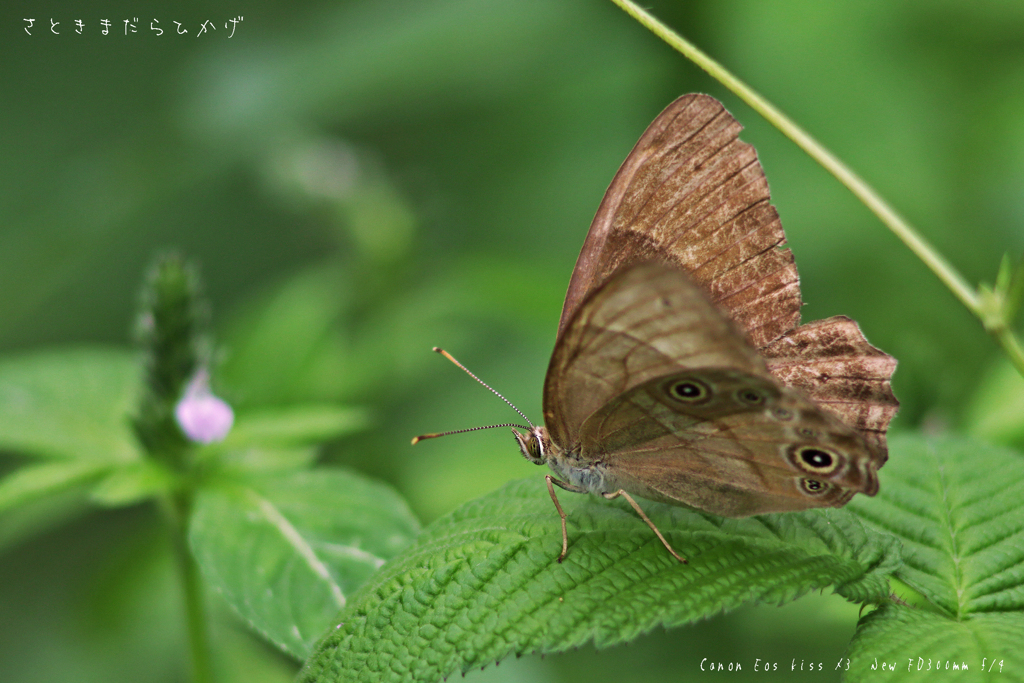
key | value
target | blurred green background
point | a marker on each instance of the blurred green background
(363, 180)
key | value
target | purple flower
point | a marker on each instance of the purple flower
(203, 417)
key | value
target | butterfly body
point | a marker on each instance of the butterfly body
(574, 467)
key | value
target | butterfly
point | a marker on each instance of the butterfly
(680, 371)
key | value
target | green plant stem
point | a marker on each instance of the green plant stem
(946, 273)
(1012, 348)
(176, 508)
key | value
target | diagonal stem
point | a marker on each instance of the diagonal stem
(1011, 347)
(938, 264)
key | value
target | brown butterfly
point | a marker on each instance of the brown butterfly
(680, 371)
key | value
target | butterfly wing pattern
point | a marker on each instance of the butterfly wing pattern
(669, 400)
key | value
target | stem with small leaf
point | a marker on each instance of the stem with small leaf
(996, 307)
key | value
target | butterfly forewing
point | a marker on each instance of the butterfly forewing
(693, 195)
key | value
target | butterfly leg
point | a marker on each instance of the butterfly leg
(629, 499)
(561, 513)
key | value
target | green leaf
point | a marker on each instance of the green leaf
(69, 404)
(132, 483)
(37, 515)
(895, 641)
(996, 412)
(483, 583)
(295, 426)
(256, 461)
(286, 552)
(957, 506)
(33, 482)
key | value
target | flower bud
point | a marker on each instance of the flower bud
(203, 417)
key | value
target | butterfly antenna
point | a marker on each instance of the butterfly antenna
(449, 356)
(417, 439)
(466, 370)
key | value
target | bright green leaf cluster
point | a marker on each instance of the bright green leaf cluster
(895, 642)
(957, 507)
(483, 583)
(288, 546)
(284, 544)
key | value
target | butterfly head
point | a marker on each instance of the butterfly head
(534, 443)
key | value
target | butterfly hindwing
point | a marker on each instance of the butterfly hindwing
(727, 442)
(831, 362)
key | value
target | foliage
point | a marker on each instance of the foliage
(955, 505)
(365, 180)
(286, 551)
(482, 583)
(283, 543)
